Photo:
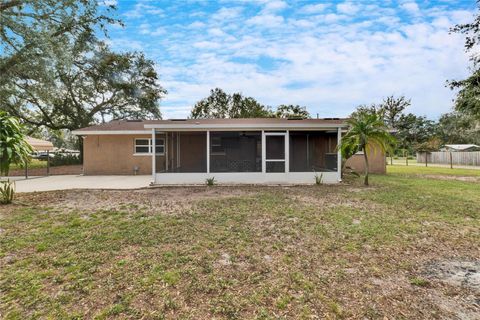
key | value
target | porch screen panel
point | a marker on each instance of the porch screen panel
(235, 151)
(185, 152)
(313, 151)
(160, 157)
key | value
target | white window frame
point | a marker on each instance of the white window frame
(150, 145)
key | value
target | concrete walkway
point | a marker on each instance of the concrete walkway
(66, 182)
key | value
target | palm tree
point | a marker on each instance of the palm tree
(366, 130)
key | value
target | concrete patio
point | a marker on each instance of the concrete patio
(67, 182)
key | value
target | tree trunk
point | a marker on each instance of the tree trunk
(366, 166)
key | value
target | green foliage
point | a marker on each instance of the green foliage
(292, 111)
(468, 96)
(412, 130)
(65, 159)
(366, 131)
(210, 181)
(7, 191)
(467, 100)
(221, 105)
(420, 282)
(93, 83)
(392, 109)
(429, 146)
(13, 146)
(34, 31)
(318, 179)
(457, 127)
(57, 74)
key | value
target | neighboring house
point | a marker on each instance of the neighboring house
(39, 145)
(460, 147)
(230, 150)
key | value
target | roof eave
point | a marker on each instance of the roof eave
(253, 126)
(109, 132)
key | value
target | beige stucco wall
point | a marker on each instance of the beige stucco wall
(113, 154)
(376, 161)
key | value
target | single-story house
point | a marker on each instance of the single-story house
(460, 147)
(188, 151)
(39, 145)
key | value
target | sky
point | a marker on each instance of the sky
(329, 56)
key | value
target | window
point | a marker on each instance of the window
(144, 146)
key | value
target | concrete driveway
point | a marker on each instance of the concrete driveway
(66, 182)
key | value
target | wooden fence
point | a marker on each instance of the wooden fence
(451, 158)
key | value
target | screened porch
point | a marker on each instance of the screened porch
(252, 156)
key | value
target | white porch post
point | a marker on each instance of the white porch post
(264, 153)
(208, 151)
(339, 154)
(287, 152)
(153, 157)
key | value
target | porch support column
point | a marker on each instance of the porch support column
(153, 157)
(208, 151)
(264, 153)
(287, 152)
(339, 154)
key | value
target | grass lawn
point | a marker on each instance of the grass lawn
(432, 172)
(340, 251)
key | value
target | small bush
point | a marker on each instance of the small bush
(210, 181)
(64, 159)
(7, 191)
(318, 179)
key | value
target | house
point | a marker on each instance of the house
(460, 147)
(188, 151)
(39, 145)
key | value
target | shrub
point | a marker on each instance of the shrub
(7, 191)
(210, 181)
(64, 159)
(318, 179)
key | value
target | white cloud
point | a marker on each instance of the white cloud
(347, 8)
(323, 59)
(266, 20)
(227, 13)
(275, 5)
(108, 3)
(141, 9)
(196, 25)
(411, 7)
(216, 32)
(314, 8)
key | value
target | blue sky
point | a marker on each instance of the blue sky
(327, 55)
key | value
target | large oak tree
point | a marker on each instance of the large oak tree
(56, 73)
